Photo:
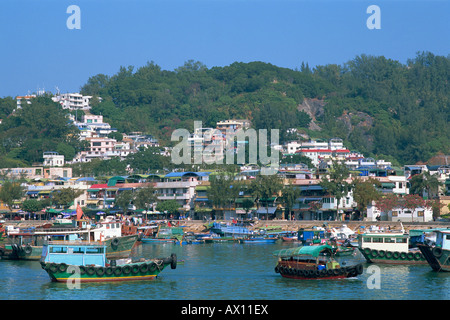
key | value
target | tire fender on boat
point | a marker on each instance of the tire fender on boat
(359, 269)
(28, 249)
(143, 268)
(115, 243)
(117, 271)
(100, 271)
(437, 252)
(173, 263)
(62, 267)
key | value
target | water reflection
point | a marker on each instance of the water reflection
(225, 271)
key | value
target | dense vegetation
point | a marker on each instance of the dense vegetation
(379, 106)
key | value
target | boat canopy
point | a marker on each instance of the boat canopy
(314, 251)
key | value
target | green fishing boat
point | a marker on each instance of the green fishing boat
(438, 256)
(388, 248)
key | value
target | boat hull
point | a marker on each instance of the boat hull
(258, 240)
(292, 271)
(61, 272)
(437, 258)
(390, 257)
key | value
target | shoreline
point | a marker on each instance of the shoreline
(286, 225)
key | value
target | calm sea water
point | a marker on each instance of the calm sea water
(225, 271)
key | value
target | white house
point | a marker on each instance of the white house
(398, 214)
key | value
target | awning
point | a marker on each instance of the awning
(32, 192)
(45, 192)
(270, 210)
(93, 190)
(388, 185)
(241, 200)
(314, 251)
(314, 187)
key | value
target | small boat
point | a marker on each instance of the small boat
(27, 243)
(260, 239)
(388, 248)
(165, 234)
(289, 236)
(315, 235)
(230, 230)
(313, 262)
(86, 262)
(438, 256)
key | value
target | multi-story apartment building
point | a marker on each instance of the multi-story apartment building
(53, 159)
(73, 101)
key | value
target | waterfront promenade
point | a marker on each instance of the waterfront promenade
(286, 225)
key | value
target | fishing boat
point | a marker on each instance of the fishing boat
(313, 262)
(311, 236)
(438, 256)
(231, 230)
(259, 240)
(165, 234)
(389, 248)
(87, 262)
(27, 243)
(290, 236)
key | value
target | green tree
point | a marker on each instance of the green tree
(289, 197)
(364, 192)
(10, 191)
(425, 182)
(145, 197)
(264, 187)
(220, 192)
(31, 205)
(124, 199)
(168, 206)
(65, 196)
(335, 183)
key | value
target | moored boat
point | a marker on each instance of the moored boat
(27, 243)
(87, 262)
(438, 256)
(388, 248)
(259, 240)
(313, 262)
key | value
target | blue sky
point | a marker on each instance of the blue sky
(39, 51)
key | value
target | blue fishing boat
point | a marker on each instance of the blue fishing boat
(86, 262)
(230, 230)
(260, 239)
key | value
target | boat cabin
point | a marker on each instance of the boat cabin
(311, 236)
(106, 230)
(443, 239)
(78, 254)
(384, 241)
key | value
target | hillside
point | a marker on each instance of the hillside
(381, 107)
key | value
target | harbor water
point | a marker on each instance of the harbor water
(228, 271)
